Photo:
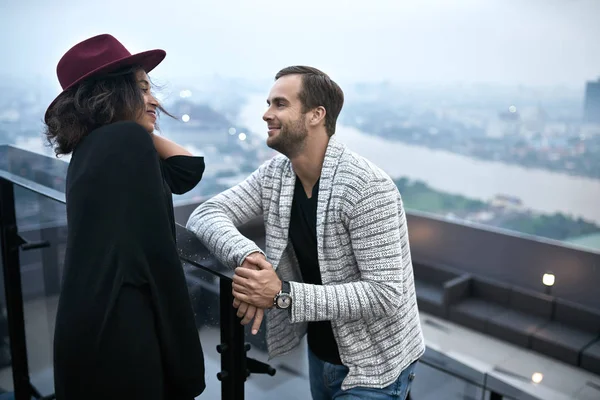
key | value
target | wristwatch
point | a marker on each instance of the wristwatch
(283, 299)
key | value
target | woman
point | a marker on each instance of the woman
(125, 327)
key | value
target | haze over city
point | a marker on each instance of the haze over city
(534, 42)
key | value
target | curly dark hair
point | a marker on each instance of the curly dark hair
(91, 104)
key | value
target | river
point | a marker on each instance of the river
(539, 190)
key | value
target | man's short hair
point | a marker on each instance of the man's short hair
(318, 89)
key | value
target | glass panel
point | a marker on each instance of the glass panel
(41, 174)
(6, 378)
(41, 219)
(540, 379)
(434, 384)
(204, 294)
(290, 380)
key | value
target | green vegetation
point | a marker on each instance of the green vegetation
(555, 226)
(419, 196)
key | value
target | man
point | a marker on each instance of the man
(339, 264)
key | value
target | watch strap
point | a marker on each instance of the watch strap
(286, 287)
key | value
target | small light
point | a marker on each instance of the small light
(185, 118)
(232, 131)
(242, 136)
(537, 377)
(548, 279)
(512, 109)
(185, 93)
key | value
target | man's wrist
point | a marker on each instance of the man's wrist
(283, 299)
(248, 251)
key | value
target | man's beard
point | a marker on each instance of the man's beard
(291, 138)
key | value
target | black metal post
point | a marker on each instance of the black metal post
(232, 348)
(10, 242)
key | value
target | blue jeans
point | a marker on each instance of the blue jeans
(326, 383)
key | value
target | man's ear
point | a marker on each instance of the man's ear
(317, 116)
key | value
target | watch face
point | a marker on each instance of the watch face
(284, 301)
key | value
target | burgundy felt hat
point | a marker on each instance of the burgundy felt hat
(99, 55)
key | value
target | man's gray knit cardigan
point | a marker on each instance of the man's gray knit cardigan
(368, 290)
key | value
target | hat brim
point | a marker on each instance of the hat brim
(147, 60)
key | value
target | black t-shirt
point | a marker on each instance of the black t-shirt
(303, 234)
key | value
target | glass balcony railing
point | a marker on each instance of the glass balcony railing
(32, 218)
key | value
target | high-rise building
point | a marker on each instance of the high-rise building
(591, 110)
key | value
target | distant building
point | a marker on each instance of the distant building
(507, 202)
(507, 123)
(591, 110)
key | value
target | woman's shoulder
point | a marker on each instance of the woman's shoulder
(121, 131)
(124, 140)
(118, 135)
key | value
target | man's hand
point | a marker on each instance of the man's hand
(256, 261)
(257, 288)
(246, 311)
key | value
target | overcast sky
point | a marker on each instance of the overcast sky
(532, 42)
